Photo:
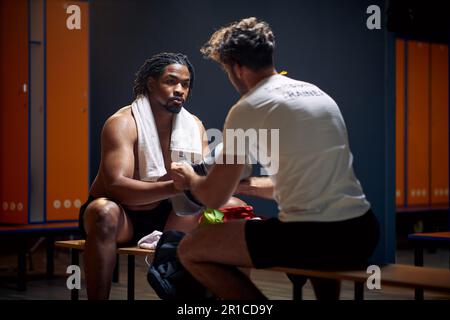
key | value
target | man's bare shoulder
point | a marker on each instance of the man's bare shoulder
(121, 122)
(199, 122)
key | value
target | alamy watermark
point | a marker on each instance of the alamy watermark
(74, 280)
(374, 20)
(73, 21)
(241, 146)
(374, 280)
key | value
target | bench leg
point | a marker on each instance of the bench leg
(297, 291)
(326, 289)
(50, 257)
(418, 255)
(359, 291)
(297, 285)
(75, 260)
(115, 277)
(22, 265)
(418, 261)
(418, 294)
(130, 284)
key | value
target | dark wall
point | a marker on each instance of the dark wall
(323, 42)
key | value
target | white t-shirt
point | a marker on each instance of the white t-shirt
(315, 179)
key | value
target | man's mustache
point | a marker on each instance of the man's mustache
(178, 99)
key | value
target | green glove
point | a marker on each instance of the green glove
(211, 216)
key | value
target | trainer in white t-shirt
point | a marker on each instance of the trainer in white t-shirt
(315, 179)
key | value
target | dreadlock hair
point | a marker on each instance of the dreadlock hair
(154, 67)
(249, 42)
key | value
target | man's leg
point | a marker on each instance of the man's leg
(213, 253)
(181, 223)
(106, 224)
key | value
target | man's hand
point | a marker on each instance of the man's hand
(182, 175)
(261, 187)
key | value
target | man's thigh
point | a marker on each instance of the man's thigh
(181, 223)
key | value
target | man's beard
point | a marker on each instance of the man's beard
(173, 109)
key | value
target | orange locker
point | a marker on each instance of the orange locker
(67, 109)
(43, 112)
(400, 122)
(439, 124)
(418, 122)
(14, 111)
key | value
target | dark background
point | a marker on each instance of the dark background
(325, 42)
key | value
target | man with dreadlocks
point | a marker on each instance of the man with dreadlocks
(129, 196)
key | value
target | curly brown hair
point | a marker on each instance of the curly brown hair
(249, 42)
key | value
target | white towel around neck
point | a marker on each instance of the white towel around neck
(185, 139)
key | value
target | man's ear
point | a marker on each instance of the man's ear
(150, 83)
(237, 69)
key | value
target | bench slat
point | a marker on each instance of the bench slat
(70, 244)
(431, 236)
(136, 251)
(38, 227)
(79, 245)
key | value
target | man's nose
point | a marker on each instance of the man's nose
(179, 90)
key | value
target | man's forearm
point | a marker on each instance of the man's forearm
(210, 197)
(134, 192)
(261, 187)
(212, 190)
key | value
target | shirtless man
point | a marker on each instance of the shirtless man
(121, 208)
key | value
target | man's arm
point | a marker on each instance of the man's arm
(117, 166)
(215, 189)
(207, 189)
(261, 187)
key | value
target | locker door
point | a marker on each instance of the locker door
(439, 124)
(14, 111)
(67, 108)
(418, 154)
(400, 122)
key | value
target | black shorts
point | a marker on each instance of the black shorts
(315, 245)
(144, 222)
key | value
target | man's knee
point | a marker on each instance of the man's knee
(102, 218)
(234, 202)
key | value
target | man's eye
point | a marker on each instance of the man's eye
(186, 85)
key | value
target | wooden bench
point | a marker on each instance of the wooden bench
(76, 246)
(22, 233)
(396, 275)
(421, 240)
